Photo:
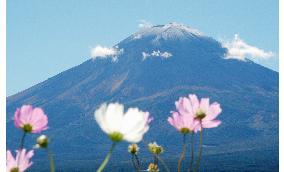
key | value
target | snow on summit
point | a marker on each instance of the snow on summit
(168, 31)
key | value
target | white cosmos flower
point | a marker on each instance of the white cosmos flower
(129, 126)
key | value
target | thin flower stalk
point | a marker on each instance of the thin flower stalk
(22, 141)
(135, 163)
(107, 158)
(163, 163)
(200, 152)
(51, 160)
(43, 142)
(191, 152)
(182, 156)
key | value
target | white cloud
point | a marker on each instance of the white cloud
(105, 52)
(156, 54)
(145, 55)
(239, 49)
(144, 24)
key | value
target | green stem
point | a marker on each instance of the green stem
(51, 160)
(22, 141)
(138, 162)
(104, 163)
(192, 152)
(200, 153)
(134, 164)
(183, 152)
(155, 160)
(163, 163)
(21, 146)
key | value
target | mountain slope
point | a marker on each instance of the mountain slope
(157, 66)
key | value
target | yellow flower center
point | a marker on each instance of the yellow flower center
(27, 128)
(200, 114)
(15, 169)
(184, 130)
(115, 136)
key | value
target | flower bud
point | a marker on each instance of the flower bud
(133, 148)
(153, 167)
(42, 141)
(155, 148)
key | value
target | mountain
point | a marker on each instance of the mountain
(156, 66)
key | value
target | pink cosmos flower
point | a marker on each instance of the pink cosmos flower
(204, 112)
(30, 120)
(21, 163)
(183, 123)
(193, 114)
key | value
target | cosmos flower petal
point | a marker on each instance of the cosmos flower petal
(39, 120)
(18, 123)
(100, 117)
(197, 126)
(181, 121)
(188, 122)
(133, 135)
(30, 154)
(171, 121)
(183, 106)
(10, 156)
(213, 112)
(36, 115)
(133, 114)
(177, 120)
(148, 118)
(26, 111)
(136, 129)
(204, 104)
(24, 158)
(11, 162)
(113, 116)
(194, 102)
(133, 138)
(187, 105)
(179, 106)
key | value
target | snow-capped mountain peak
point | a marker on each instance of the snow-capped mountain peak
(167, 32)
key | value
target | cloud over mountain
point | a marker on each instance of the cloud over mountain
(105, 52)
(157, 53)
(239, 49)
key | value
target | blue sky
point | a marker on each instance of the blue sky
(45, 38)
